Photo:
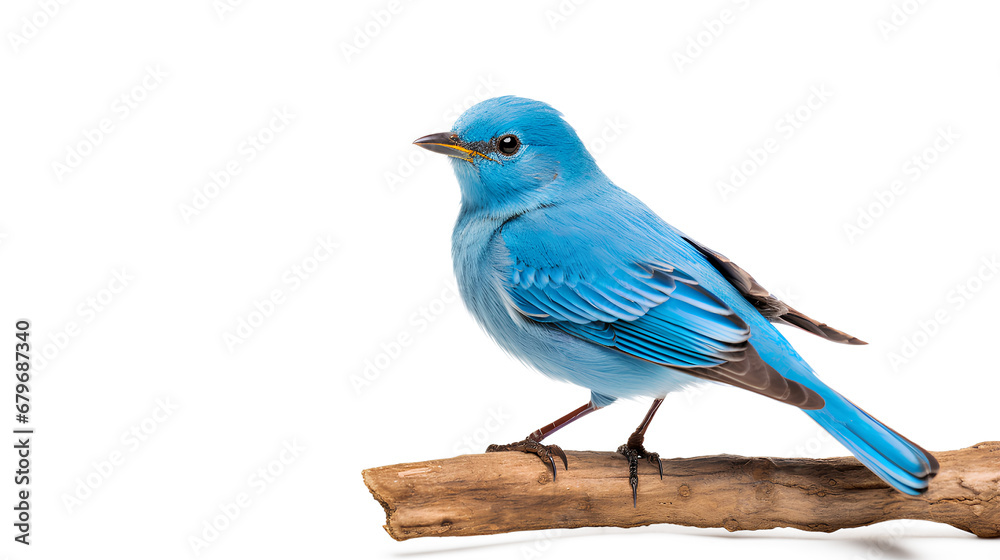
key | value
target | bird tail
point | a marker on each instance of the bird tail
(898, 461)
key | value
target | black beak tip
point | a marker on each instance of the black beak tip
(446, 138)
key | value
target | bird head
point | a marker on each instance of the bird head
(512, 154)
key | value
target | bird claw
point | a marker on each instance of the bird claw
(633, 454)
(528, 445)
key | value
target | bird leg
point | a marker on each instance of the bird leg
(532, 443)
(633, 450)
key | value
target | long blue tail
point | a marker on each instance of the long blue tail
(898, 461)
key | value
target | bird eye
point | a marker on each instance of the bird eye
(508, 144)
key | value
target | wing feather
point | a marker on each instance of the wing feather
(656, 313)
(769, 306)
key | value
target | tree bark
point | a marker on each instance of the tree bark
(513, 491)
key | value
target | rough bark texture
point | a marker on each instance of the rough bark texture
(512, 491)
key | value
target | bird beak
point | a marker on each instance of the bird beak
(448, 144)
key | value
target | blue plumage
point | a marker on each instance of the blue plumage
(582, 281)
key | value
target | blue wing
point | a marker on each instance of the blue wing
(648, 309)
(651, 311)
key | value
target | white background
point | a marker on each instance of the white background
(672, 130)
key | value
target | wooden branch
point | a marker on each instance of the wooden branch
(512, 491)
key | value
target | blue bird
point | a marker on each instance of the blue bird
(582, 281)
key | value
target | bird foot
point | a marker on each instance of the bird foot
(528, 445)
(634, 452)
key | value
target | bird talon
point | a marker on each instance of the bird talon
(632, 454)
(558, 452)
(548, 458)
(544, 452)
(659, 463)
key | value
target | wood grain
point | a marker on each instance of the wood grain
(513, 491)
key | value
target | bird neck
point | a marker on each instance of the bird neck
(496, 199)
